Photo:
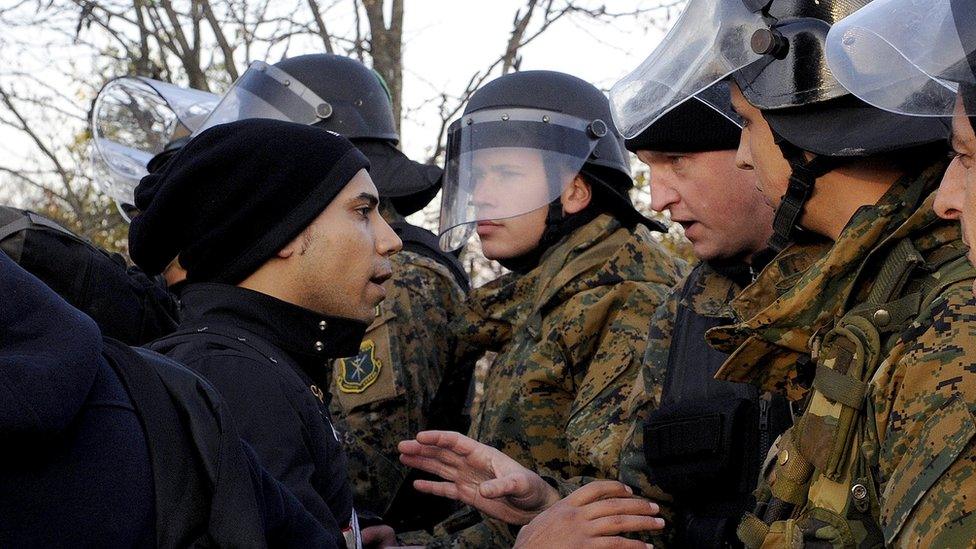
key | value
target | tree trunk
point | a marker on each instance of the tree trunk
(386, 48)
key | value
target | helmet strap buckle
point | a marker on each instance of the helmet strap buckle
(799, 190)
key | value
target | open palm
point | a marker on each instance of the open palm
(478, 475)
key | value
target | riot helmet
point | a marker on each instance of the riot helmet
(342, 95)
(132, 120)
(908, 57)
(358, 97)
(775, 52)
(555, 122)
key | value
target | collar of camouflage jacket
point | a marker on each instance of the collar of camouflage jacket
(764, 348)
(713, 290)
(601, 252)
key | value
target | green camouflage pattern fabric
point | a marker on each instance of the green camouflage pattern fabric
(904, 471)
(570, 336)
(384, 395)
(710, 298)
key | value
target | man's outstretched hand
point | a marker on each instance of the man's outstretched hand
(478, 475)
(592, 516)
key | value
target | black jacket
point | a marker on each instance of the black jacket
(78, 468)
(267, 358)
(127, 304)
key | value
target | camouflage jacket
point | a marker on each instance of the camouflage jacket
(885, 451)
(384, 394)
(570, 336)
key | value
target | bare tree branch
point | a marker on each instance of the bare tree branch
(27, 128)
(320, 23)
(225, 46)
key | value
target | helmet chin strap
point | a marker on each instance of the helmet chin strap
(803, 177)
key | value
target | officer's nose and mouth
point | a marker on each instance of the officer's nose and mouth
(953, 198)
(484, 204)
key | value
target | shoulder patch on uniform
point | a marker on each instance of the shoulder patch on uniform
(355, 374)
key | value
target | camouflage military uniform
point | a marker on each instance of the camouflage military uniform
(383, 395)
(880, 331)
(570, 336)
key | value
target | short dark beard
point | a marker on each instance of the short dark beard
(307, 239)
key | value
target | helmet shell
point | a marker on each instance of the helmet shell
(360, 100)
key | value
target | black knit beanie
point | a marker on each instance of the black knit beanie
(236, 195)
(690, 127)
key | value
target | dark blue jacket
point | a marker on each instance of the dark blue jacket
(74, 469)
(77, 467)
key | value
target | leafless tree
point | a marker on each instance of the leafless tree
(205, 44)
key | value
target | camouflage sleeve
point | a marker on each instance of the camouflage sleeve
(646, 396)
(600, 337)
(465, 529)
(924, 403)
(605, 364)
(410, 349)
(643, 399)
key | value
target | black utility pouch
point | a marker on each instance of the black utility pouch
(695, 447)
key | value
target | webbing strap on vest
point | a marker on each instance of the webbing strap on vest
(752, 531)
(28, 220)
(874, 324)
(894, 272)
(839, 387)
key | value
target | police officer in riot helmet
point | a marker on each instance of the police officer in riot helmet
(859, 336)
(691, 155)
(536, 168)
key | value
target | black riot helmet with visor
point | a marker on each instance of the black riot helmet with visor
(912, 57)
(342, 95)
(265, 91)
(358, 98)
(522, 139)
(774, 50)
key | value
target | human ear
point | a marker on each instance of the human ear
(296, 246)
(577, 196)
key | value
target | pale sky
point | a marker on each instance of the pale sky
(445, 42)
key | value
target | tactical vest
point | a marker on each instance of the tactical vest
(705, 443)
(825, 488)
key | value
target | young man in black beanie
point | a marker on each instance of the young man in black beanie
(285, 255)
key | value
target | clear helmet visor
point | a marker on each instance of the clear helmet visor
(718, 97)
(504, 163)
(265, 91)
(132, 120)
(906, 56)
(709, 41)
